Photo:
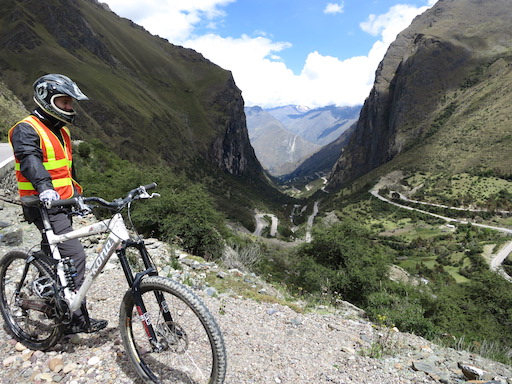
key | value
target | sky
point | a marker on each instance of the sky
(311, 53)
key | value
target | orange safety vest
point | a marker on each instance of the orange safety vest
(57, 160)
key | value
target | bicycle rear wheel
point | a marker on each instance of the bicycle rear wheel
(28, 313)
(192, 348)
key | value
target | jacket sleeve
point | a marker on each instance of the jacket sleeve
(27, 149)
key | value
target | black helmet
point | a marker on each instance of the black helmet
(53, 85)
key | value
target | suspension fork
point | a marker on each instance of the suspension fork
(134, 283)
(150, 270)
(142, 311)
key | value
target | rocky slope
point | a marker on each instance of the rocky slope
(266, 342)
(440, 97)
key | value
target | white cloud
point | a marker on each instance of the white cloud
(324, 80)
(266, 81)
(391, 23)
(333, 8)
(174, 20)
(257, 68)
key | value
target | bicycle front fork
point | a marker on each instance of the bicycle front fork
(144, 315)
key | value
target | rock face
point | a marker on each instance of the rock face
(231, 151)
(443, 50)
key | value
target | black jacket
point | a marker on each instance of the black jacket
(27, 149)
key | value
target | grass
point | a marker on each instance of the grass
(11, 111)
(245, 287)
(390, 222)
(445, 188)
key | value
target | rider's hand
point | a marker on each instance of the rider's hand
(49, 195)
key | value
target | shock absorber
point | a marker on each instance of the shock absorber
(70, 272)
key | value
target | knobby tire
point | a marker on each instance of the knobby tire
(28, 318)
(193, 348)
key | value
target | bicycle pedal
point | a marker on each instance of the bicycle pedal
(43, 287)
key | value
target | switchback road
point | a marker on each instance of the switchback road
(498, 258)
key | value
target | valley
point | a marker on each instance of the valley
(285, 137)
(439, 113)
(496, 258)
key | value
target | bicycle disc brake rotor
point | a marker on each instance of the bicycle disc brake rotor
(173, 336)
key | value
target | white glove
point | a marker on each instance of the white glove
(49, 195)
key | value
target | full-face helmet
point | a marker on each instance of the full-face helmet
(48, 87)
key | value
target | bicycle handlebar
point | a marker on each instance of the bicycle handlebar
(134, 194)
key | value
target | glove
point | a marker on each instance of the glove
(49, 195)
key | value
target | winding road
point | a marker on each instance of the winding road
(310, 222)
(5, 153)
(6, 158)
(497, 259)
(262, 223)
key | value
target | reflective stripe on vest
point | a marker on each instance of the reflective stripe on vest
(57, 160)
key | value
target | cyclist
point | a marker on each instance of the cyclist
(43, 165)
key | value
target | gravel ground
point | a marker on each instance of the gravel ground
(266, 343)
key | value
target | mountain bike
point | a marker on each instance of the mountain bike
(168, 334)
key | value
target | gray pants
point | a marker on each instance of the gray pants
(62, 223)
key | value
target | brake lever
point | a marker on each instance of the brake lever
(146, 195)
(83, 209)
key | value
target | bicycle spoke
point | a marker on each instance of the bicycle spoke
(27, 315)
(190, 348)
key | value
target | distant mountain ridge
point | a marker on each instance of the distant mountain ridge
(319, 125)
(284, 137)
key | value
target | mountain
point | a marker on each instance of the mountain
(140, 86)
(320, 125)
(284, 137)
(319, 163)
(441, 97)
(152, 102)
(276, 147)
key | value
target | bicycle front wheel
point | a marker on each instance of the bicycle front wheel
(28, 306)
(190, 345)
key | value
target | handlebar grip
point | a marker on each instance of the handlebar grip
(64, 202)
(150, 186)
(33, 201)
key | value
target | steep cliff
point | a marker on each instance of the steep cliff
(434, 85)
(151, 101)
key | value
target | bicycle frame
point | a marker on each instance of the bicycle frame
(118, 234)
(117, 240)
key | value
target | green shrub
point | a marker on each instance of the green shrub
(403, 306)
(352, 264)
(184, 213)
